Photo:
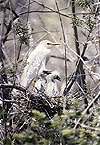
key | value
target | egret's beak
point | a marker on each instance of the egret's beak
(54, 44)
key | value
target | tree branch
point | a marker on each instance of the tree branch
(12, 87)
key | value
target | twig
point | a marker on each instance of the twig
(44, 6)
(28, 10)
(13, 86)
(59, 57)
(19, 51)
(84, 13)
(64, 41)
(89, 69)
(66, 7)
(96, 97)
(54, 11)
(64, 104)
(90, 128)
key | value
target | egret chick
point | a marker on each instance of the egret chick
(36, 62)
(41, 82)
(52, 88)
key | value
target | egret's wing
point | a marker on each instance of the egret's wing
(35, 63)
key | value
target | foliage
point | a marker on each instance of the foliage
(76, 22)
(22, 32)
(58, 130)
(84, 3)
(7, 141)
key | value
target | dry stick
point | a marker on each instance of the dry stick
(64, 104)
(89, 128)
(54, 11)
(28, 10)
(12, 86)
(59, 57)
(97, 96)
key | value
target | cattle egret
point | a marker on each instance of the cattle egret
(52, 88)
(36, 62)
(41, 82)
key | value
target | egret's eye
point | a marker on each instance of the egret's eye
(48, 43)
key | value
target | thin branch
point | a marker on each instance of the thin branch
(84, 13)
(59, 57)
(89, 128)
(91, 103)
(62, 27)
(44, 6)
(28, 10)
(54, 11)
(66, 7)
(64, 41)
(12, 87)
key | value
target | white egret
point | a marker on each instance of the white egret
(52, 88)
(36, 62)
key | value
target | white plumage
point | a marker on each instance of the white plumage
(41, 82)
(52, 88)
(36, 62)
